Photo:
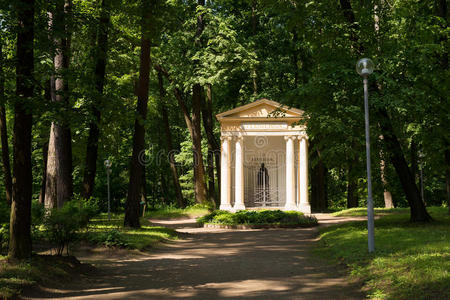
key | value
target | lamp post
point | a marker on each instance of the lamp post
(364, 67)
(108, 165)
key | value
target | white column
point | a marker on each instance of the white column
(225, 174)
(290, 174)
(239, 175)
(304, 206)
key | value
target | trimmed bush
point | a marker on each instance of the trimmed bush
(262, 217)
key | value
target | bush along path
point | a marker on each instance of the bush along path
(209, 263)
(245, 219)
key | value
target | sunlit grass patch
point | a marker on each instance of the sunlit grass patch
(411, 261)
(112, 233)
(170, 212)
(362, 211)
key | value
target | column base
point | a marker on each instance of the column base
(227, 207)
(304, 208)
(239, 206)
(290, 206)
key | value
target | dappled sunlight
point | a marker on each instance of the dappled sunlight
(217, 264)
(246, 287)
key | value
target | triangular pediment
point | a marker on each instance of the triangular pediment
(262, 108)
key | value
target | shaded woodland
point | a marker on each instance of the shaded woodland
(139, 83)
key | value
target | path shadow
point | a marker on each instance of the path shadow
(215, 264)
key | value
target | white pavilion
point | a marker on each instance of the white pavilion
(264, 158)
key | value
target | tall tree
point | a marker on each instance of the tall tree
(4, 133)
(441, 10)
(47, 97)
(352, 186)
(418, 210)
(213, 145)
(20, 221)
(59, 184)
(99, 80)
(170, 150)
(319, 196)
(136, 168)
(197, 100)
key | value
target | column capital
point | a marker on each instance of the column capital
(287, 137)
(225, 137)
(302, 136)
(239, 138)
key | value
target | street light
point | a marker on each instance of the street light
(108, 165)
(364, 67)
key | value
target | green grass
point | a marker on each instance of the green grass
(112, 233)
(260, 218)
(177, 213)
(15, 276)
(411, 261)
(362, 211)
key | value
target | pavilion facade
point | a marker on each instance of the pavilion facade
(264, 158)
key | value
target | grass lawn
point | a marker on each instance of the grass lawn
(49, 270)
(411, 261)
(175, 213)
(112, 233)
(362, 211)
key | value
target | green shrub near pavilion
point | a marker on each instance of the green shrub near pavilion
(261, 217)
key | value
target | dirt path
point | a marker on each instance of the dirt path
(215, 264)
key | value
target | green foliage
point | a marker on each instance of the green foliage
(111, 238)
(4, 212)
(113, 234)
(262, 217)
(410, 260)
(4, 237)
(61, 225)
(4, 226)
(37, 213)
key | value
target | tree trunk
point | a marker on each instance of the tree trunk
(319, 199)
(199, 170)
(413, 157)
(44, 173)
(418, 210)
(352, 186)
(447, 177)
(20, 222)
(4, 134)
(164, 190)
(59, 184)
(388, 202)
(47, 97)
(99, 79)
(144, 186)
(170, 149)
(190, 125)
(213, 145)
(441, 11)
(196, 133)
(136, 169)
